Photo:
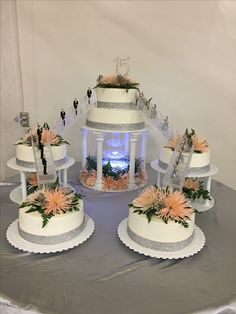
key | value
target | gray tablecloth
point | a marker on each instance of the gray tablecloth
(103, 276)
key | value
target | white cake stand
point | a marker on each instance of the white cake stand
(194, 247)
(18, 242)
(200, 207)
(19, 193)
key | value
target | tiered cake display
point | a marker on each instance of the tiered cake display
(118, 163)
(25, 153)
(51, 216)
(200, 159)
(196, 167)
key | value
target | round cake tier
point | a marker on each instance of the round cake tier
(116, 98)
(157, 233)
(115, 119)
(31, 224)
(25, 153)
(198, 160)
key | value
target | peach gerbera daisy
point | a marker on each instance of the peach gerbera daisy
(32, 179)
(91, 178)
(173, 142)
(147, 198)
(109, 183)
(122, 183)
(32, 132)
(57, 201)
(49, 136)
(109, 79)
(176, 207)
(200, 144)
(33, 198)
(191, 184)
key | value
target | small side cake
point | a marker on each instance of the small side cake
(201, 155)
(39, 137)
(50, 216)
(161, 219)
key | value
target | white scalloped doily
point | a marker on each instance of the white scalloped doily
(194, 247)
(18, 242)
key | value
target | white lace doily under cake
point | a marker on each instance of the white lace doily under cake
(18, 242)
(194, 247)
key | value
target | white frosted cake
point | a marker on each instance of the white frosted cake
(25, 153)
(116, 107)
(59, 219)
(158, 231)
(161, 220)
(200, 159)
(24, 148)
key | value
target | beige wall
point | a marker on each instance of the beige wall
(182, 52)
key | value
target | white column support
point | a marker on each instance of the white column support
(144, 148)
(133, 141)
(126, 146)
(84, 146)
(23, 185)
(208, 187)
(65, 183)
(99, 139)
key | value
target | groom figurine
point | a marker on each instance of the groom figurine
(89, 94)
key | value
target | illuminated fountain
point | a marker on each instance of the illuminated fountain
(113, 161)
(114, 138)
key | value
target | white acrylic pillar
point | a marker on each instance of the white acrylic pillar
(208, 187)
(84, 146)
(133, 141)
(127, 143)
(99, 139)
(144, 148)
(23, 185)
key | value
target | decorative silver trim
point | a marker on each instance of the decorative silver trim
(160, 246)
(115, 127)
(28, 164)
(193, 170)
(52, 239)
(116, 105)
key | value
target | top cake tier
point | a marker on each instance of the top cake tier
(116, 110)
(116, 98)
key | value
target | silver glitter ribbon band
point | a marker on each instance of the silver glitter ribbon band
(160, 246)
(115, 127)
(29, 164)
(116, 105)
(53, 239)
(193, 170)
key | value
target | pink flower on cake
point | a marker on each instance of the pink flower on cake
(200, 144)
(57, 201)
(34, 198)
(176, 206)
(28, 134)
(32, 179)
(109, 79)
(147, 198)
(50, 136)
(192, 184)
(173, 142)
